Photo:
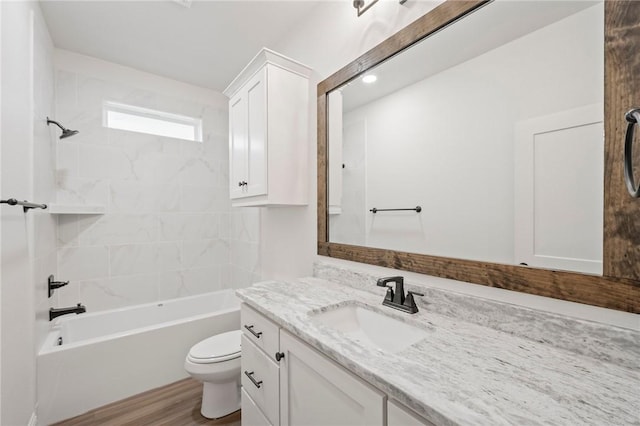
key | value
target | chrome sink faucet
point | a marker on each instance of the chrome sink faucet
(397, 299)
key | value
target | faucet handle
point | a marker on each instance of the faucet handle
(53, 284)
(410, 302)
(390, 294)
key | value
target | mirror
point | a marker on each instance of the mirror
(617, 287)
(493, 127)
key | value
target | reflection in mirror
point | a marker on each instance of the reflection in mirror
(494, 126)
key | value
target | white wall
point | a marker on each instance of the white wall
(27, 243)
(169, 230)
(412, 140)
(330, 37)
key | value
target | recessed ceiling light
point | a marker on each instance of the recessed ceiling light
(369, 78)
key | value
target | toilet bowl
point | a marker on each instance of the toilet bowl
(216, 363)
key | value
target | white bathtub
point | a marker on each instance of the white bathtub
(110, 355)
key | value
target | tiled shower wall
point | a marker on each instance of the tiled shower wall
(43, 251)
(169, 229)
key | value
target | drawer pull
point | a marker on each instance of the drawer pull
(279, 356)
(249, 374)
(250, 328)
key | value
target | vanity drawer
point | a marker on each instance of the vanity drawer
(259, 330)
(261, 381)
(251, 414)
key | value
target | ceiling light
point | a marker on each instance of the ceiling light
(363, 5)
(369, 78)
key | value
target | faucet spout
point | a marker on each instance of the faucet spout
(397, 299)
(56, 312)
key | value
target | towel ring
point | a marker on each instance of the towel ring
(633, 117)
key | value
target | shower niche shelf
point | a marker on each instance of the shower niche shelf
(76, 209)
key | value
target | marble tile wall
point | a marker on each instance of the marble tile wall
(169, 230)
(42, 241)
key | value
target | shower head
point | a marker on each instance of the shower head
(65, 132)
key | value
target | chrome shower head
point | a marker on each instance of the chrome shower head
(65, 132)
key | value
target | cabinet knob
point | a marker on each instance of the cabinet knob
(242, 183)
(279, 356)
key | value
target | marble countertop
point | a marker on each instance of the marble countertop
(462, 373)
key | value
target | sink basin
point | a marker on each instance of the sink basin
(371, 328)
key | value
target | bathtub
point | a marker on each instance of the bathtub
(93, 359)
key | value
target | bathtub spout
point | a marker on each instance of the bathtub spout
(56, 312)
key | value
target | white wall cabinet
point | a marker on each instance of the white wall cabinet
(268, 132)
(286, 382)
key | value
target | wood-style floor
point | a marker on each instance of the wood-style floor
(177, 404)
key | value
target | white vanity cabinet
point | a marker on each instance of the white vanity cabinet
(268, 132)
(260, 375)
(286, 382)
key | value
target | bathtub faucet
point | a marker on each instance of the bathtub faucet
(56, 312)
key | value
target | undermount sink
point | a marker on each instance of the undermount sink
(371, 328)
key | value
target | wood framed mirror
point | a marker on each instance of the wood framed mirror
(618, 285)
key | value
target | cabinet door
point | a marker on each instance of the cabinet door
(257, 134)
(316, 391)
(397, 415)
(238, 147)
(251, 414)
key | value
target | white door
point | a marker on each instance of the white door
(238, 153)
(257, 134)
(559, 187)
(315, 391)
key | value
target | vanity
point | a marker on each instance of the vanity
(307, 360)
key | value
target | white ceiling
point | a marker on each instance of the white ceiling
(207, 44)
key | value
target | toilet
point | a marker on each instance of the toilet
(216, 363)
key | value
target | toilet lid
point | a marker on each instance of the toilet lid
(218, 348)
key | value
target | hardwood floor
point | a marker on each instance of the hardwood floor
(177, 404)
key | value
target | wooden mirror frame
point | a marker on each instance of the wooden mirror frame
(619, 287)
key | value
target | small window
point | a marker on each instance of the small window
(143, 120)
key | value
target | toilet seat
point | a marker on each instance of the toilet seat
(218, 348)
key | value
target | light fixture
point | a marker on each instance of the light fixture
(369, 78)
(361, 7)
